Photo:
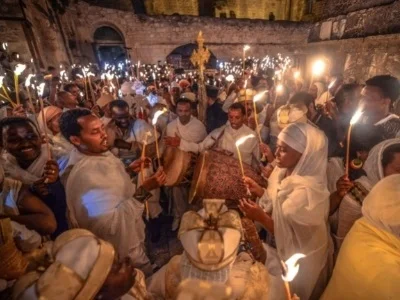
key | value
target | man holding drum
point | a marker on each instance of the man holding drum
(185, 129)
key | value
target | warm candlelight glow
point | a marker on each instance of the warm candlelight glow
(19, 68)
(318, 68)
(230, 78)
(279, 88)
(296, 74)
(331, 84)
(157, 115)
(40, 89)
(243, 139)
(1, 81)
(28, 80)
(259, 96)
(356, 117)
(246, 47)
(292, 267)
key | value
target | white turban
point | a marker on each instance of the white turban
(82, 263)
(294, 137)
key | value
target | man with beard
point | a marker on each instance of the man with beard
(100, 194)
(188, 128)
(126, 137)
(225, 137)
(378, 96)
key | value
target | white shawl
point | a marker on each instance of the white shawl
(300, 210)
(100, 199)
(194, 131)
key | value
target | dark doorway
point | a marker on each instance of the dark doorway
(206, 8)
(180, 57)
(109, 46)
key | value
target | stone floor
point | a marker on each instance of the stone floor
(168, 245)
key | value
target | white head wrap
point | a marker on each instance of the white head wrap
(127, 87)
(382, 205)
(294, 137)
(373, 165)
(82, 263)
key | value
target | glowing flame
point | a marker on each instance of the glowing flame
(40, 89)
(19, 69)
(291, 267)
(109, 75)
(79, 75)
(1, 81)
(279, 88)
(157, 115)
(318, 68)
(28, 80)
(356, 116)
(230, 78)
(243, 139)
(259, 96)
(154, 76)
(246, 47)
(146, 136)
(90, 74)
(296, 74)
(331, 84)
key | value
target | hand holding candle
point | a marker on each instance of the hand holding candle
(353, 121)
(154, 122)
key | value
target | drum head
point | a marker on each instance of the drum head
(198, 176)
(175, 163)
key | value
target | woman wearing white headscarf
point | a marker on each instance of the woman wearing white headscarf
(383, 160)
(294, 208)
(369, 260)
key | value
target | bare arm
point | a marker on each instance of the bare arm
(34, 214)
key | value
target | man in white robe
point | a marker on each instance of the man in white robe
(190, 129)
(100, 194)
(225, 138)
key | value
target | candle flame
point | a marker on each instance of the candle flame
(40, 89)
(1, 81)
(157, 115)
(292, 267)
(19, 68)
(259, 96)
(296, 74)
(230, 78)
(28, 80)
(243, 139)
(318, 68)
(147, 135)
(331, 84)
(279, 88)
(246, 47)
(356, 116)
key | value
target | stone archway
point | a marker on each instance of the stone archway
(109, 45)
(180, 57)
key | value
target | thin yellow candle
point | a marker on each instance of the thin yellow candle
(255, 99)
(27, 85)
(90, 87)
(19, 68)
(41, 88)
(353, 121)
(154, 122)
(4, 89)
(143, 157)
(238, 143)
(290, 270)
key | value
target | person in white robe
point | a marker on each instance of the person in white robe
(382, 161)
(84, 267)
(226, 136)
(127, 136)
(294, 208)
(188, 128)
(100, 194)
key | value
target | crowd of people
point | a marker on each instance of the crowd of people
(83, 178)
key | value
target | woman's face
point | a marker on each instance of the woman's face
(54, 124)
(393, 167)
(22, 141)
(286, 157)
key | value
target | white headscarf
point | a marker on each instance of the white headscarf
(301, 204)
(49, 112)
(381, 207)
(373, 165)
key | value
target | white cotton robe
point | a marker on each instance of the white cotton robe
(300, 207)
(100, 199)
(225, 138)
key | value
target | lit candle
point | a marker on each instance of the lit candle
(143, 157)
(317, 69)
(290, 268)
(19, 68)
(245, 48)
(6, 96)
(238, 143)
(40, 92)
(353, 121)
(27, 85)
(255, 99)
(278, 91)
(154, 122)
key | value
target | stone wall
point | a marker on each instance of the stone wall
(170, 7)
(152, 38)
